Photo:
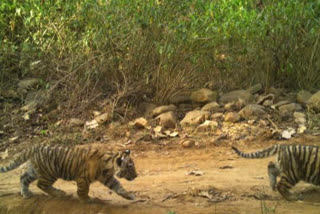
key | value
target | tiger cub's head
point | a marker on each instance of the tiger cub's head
(124, 166)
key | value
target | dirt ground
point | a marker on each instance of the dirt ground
(229, 184)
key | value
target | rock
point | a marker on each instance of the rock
(234, 96)
(299, 117)
(185, 107)
(102, 118)
(262, 99)
(167, 120)
(255, 88)
(163, 109)
(217, 116)
(29, 107)
(12, 94)
(268, 103)
(229, 106)
(91, 124)
(303, 97)
(4, 155)
(204, 95)
(187, 143)
(180, 98)
(139, 123)
(252, 111)
(314, 102)
(287, 134)
(96, 113)
(211, 107)
(147, 108)
(74, 122)
(284, 102)
(232, 117)
(288, 108)
(301, 129)
(194, 118)
(28, 83)
(264, 122)
(14, 139)
(207, 125)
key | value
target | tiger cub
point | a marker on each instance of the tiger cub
(83, 165)
(294, 163)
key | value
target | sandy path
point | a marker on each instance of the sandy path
(163, 186)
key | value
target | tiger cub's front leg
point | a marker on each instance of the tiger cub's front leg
(115, 185)
(273, 172)
(83, 190)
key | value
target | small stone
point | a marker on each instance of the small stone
(211, 107)
(4, 154)
(204, 95)
(187, 143)
(217, 116)
(163, 109)
(194, 118)
(28, 83)
(74, 122)
(101, 119)
(303, 97)
(232, 117)
(207, 125)
(278, 104)
(301, 129)
(287, 134)
(263, 99)
(252, 111)
(314, 102)
(268, 103)
(167, 120)
(255, 88)
(234, 96)
(26, 116)
(288, 108)
(180, 98)
(91, 124)
(96, 113)
(139, 123)
(14, 139)
(251, 122)
(264, 122)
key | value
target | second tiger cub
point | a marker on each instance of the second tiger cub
(294, 163)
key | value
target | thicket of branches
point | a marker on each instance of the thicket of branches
(157, 48)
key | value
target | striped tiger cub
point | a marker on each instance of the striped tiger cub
(294, 163)
(83, 165)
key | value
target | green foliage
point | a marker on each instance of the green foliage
(160, 46)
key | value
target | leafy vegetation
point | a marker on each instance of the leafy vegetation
(157, 48)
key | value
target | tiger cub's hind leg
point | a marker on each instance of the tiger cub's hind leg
(25, 180)
(46, 185)
(273, 172)
(284, 186)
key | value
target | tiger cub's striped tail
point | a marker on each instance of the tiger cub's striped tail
(20, 159)
(258, 154)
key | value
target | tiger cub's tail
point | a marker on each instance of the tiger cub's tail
(18, 160)
(258, 154)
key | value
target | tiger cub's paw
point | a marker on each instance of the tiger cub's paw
(58, 193)
(26, 194)
(129, 196)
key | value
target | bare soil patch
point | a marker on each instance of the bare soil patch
(226, 184)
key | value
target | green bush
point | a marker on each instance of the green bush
(158, 48)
